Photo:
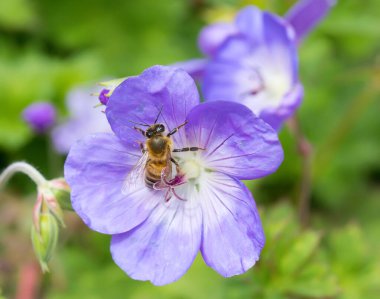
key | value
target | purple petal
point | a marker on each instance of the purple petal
(40, 116)
(232, 233)
(140, 99)
(289, 105)
(250, 23)
(84, 119)
(270, 33)
(236, 141)
(306, 14)
(96, 169)
(212, 37)
(194, 67)
(163, 247)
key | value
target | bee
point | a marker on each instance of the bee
(156, 158)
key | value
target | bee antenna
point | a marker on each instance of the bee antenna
(140, 124)
(159, 113)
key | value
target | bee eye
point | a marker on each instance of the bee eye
(149, 134)
(160, 128)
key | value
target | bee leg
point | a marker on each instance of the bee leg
(174, 161)
(143, 150)
(187, 149)
(175, 130)
(140, 130)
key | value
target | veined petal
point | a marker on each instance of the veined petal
(163, 247)
(96, 169)
(140, 99)
(236, 142)
(232, 233)
(306, 14)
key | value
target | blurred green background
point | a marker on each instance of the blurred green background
(48, 47)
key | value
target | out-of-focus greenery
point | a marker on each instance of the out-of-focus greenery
(47, 47)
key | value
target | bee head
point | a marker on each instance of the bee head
(156, 129)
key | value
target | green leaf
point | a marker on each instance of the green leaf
(299, 252)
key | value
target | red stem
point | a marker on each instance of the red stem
(29, 281)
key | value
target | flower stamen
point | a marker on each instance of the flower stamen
(178, 180)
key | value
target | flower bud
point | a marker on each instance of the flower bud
(40, 116)
(45, 238)
(61, 192)
(109, 87)
(47, 202)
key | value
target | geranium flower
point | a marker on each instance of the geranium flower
(84, 118)
(253, 60)
(40, 116)
(156, 238)
(302, 17)
(258, 67)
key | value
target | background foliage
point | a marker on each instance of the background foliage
(48, 47)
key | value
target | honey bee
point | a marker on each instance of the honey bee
(156, 155)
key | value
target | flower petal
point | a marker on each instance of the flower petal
(232, 233)
(140, 99)
(306, 14)
(194, 67)
(276, 117)
(163, 247)
(96, 169)
(236, 141)
(84, 120)
(212, 37)
(272, 34)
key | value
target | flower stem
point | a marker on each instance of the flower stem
(25, 168)
(305, 152)
(29, 281)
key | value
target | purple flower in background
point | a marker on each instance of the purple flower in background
(258, 67)
(40, 116)
(84, 119)
(253, 60)
(303, 17)
(156, 238)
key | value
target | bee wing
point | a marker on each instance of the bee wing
(136, 175)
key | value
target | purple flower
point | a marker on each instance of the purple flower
(40, 116)
(303, 17)
(156, 238)
(258, 67)
(84, 119)
(253, 60)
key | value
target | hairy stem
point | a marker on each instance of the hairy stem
(25, 168)
(305, 152)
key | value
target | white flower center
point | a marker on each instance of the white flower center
(192, 169)
(193, 166)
